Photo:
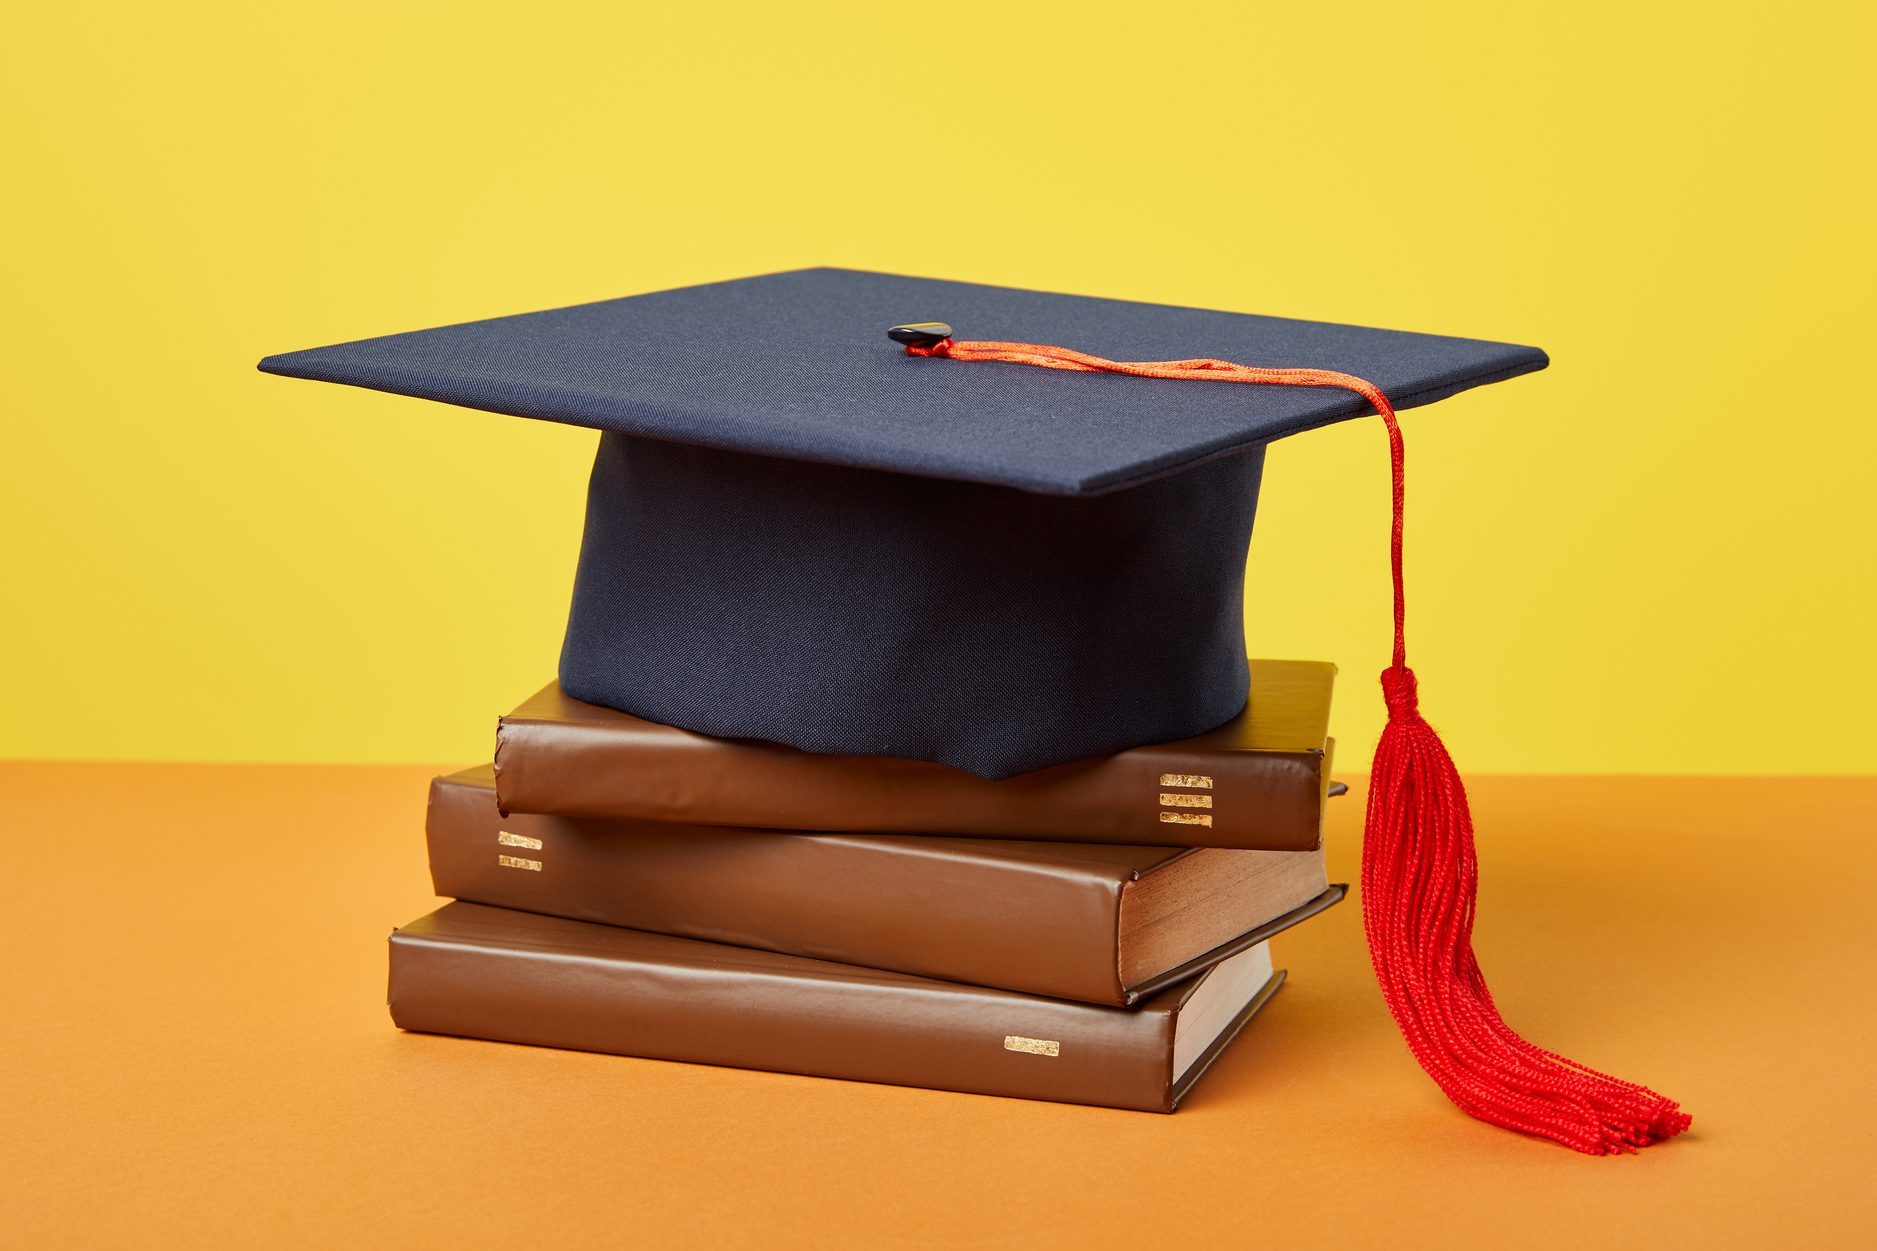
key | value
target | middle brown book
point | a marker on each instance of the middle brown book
(1096, 923)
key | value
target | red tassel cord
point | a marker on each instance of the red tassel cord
(1420, 876)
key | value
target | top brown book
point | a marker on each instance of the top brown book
(1257, 782)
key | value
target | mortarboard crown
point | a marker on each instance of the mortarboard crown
(797, 533)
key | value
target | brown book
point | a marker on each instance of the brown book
(1256, 782)
(492, 973)
(1102, 924)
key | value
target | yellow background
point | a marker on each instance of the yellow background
(1657, 556)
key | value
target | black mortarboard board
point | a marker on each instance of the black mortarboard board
(797, 533)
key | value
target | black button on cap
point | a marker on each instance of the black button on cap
(920, 333)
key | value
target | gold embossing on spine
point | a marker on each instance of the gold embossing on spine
(1173, 799)
(518, 840)
(1185, 818)
(1032, 1046)
(1196, 781)
(517, 862)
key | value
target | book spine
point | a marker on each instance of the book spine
(1269, 801)
(917, 1033)
(929, 907)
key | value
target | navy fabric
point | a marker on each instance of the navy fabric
(798, 365)
(839, 610)
(1051, 566)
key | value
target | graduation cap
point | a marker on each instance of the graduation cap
(802, 532)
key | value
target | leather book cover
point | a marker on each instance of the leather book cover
(1257, 782)
(1040, 918)
(493, 973)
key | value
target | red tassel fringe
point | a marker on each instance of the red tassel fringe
(1420, 878)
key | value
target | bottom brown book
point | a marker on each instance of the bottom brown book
(483, 972)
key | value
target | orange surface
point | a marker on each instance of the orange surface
(197, 1053)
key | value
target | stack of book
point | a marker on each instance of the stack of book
(1094, 932)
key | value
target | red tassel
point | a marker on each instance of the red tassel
(1419, 882)
(1420, 877)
